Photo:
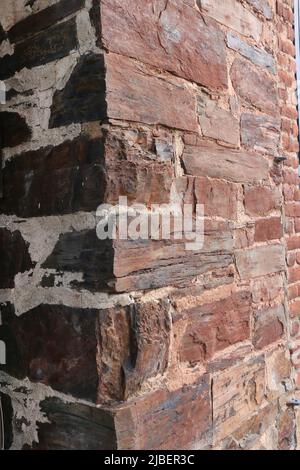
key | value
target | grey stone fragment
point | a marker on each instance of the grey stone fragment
(254, 54)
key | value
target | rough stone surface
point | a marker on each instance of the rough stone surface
(261, 200)
(236, 393)
(268, 326)
(260, 132)
(168, 35)
(260, 261)
(146, 422)
(73, 426)
(218, 162)
(254, 54)
(134, 94)
(55, 179)
(133, 346)
(262, 6)
(37, 348)
(268, 229)
(213, 327)
(218, 123)
(144, 344)
(235, 16)
(255, 87)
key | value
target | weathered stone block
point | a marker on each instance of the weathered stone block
(83, 98)
(146, 264)
(55, 180)
(261, 200)
(269, 326)
(218, 162)
(171, 36)
(13, 129)
(255, 86)
(133, 347)
(287, 430)
(135, 94)
(146, 183)
(83, 252)
(257, 56)
(218, 196)
(268, 229)
(278, 369)
(55, 345)
(74, 426)
(234, 15)
(54, 43)
(260, 132)
(260, 261)
(213, 327)
(145, 423)
(14, 257)
(218, 123)
(251, 431)
(262, 6)
(237, 392)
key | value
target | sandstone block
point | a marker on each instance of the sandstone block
(260, 132)
(218, 123)
(255, 86)
(254, 54)
(269, 326)
(135, 94)
(235, 16)
(218, 162)
(237, 392)
(268, 229)
(261, 200)
(172, 37)
(213, 327)
(260, 261)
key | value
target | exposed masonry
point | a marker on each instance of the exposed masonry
(142, 345)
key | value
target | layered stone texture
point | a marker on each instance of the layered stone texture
(142, 344)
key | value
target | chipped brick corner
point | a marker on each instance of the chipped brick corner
(110, 345)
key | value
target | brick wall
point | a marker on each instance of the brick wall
(178, 349)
